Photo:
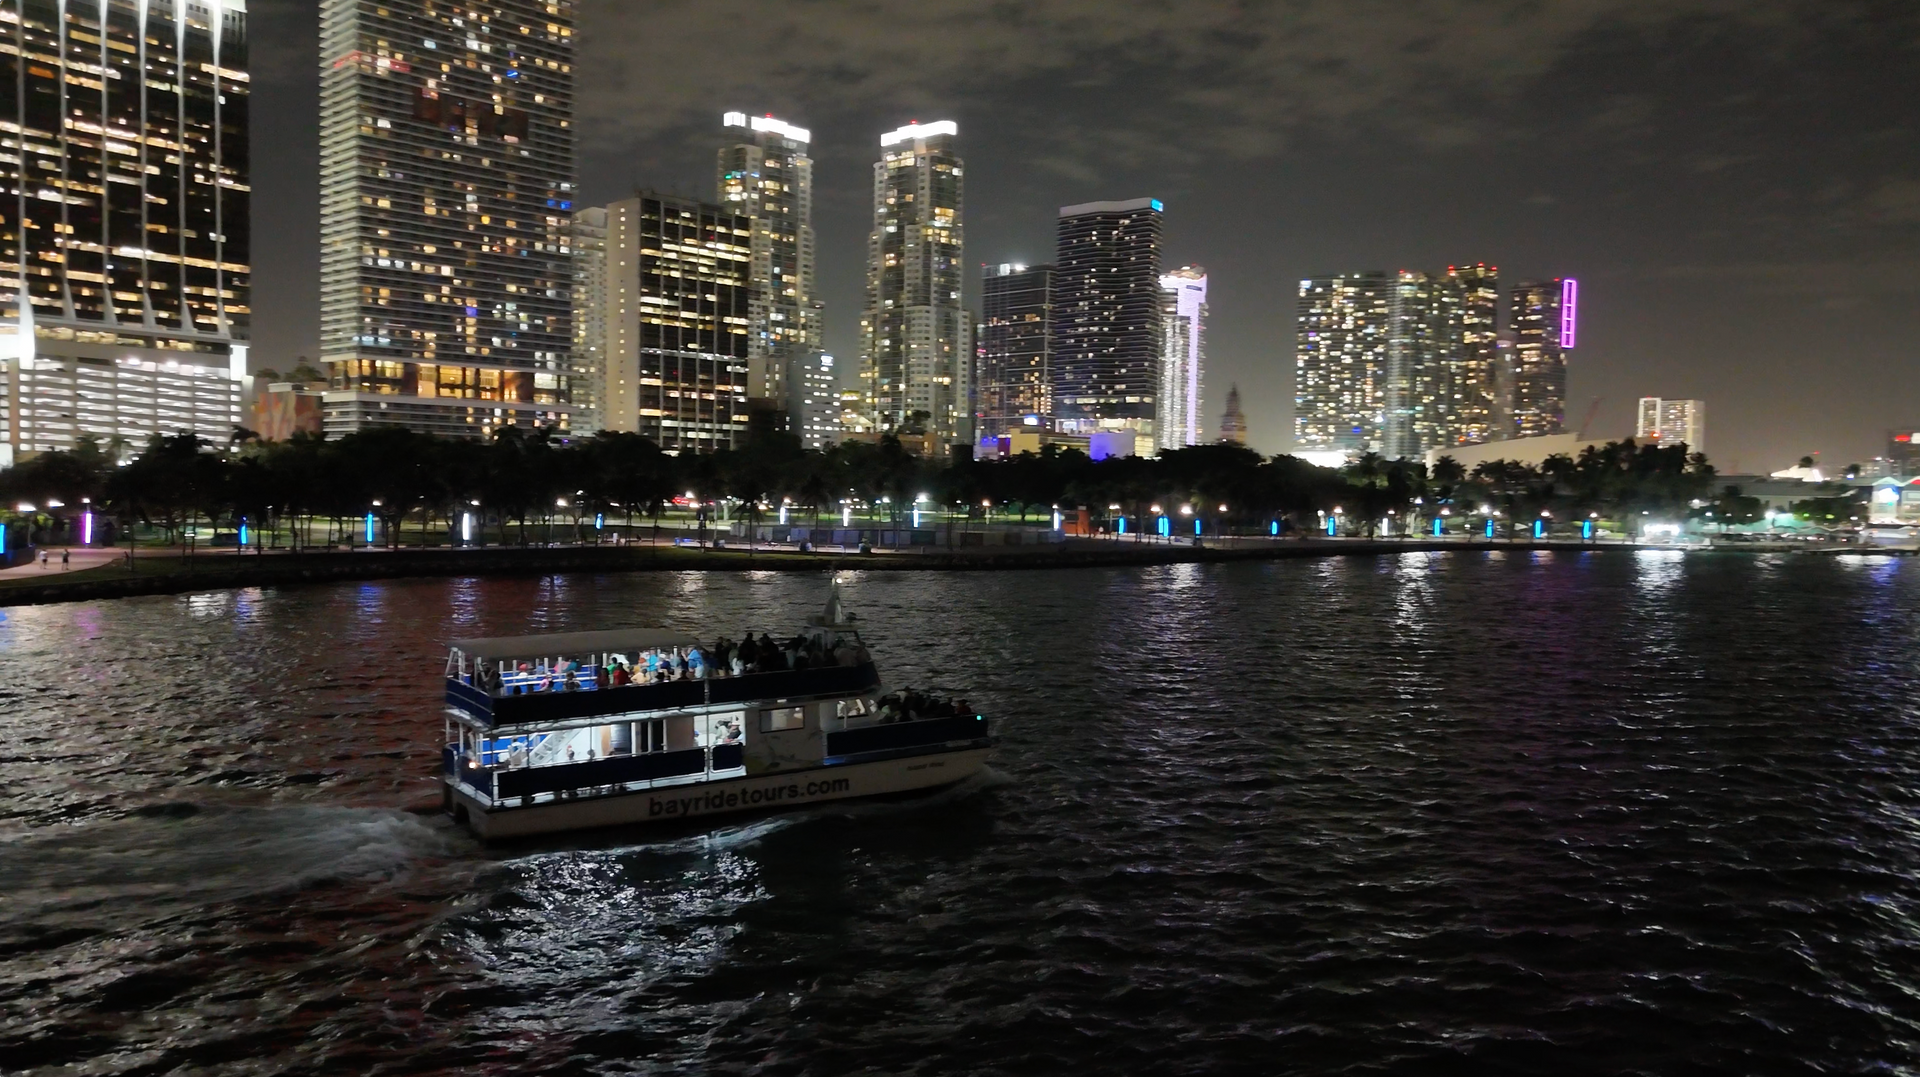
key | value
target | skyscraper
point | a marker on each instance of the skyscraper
(679, 292)
(1013, 380)
(1414, 410)
(446, 199)
(589, 380)
(1183, 321)
(916, 351)
(1340, 361)
(124, 245)
(1472, 312)
(1542, 316)
(1673, 422)
(766, 175)
(1106, 318)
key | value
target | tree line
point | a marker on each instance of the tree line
(418, 486)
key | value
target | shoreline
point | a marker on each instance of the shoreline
(228, 571)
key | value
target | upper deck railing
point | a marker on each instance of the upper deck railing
(550, 707)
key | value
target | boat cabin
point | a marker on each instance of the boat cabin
(531, 720)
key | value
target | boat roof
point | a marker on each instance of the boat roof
(562, 643)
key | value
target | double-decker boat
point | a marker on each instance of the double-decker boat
(573, 730)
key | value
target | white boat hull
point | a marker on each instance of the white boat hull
(758, 792)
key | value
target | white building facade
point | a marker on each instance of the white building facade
(1183, 316)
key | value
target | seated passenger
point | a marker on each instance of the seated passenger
(619, 677)
(733, 734)
(572, 683)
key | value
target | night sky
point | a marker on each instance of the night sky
(1736, 184)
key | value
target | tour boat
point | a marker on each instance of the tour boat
(540, 738)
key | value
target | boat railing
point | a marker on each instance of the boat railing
(545, 707)
(503, 785)
(905, 736)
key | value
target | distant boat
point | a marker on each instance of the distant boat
(540, 739)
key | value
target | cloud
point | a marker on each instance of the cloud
(1241, 76)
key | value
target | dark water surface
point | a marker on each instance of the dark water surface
(1451, 813)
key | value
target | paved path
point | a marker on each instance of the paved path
(80, 558)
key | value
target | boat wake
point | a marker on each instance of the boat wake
(175, 855)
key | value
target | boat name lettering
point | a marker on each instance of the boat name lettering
(744, 798)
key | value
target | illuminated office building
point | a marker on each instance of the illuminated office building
(446, 202)
(679, 300)
(1672, 422)
(589, 318)
(1012, 380)
(124, 244)
(1542, 316)
(916, 339)
(766, 174)
(1183, 322)
(1107, 349)
(1343, 328)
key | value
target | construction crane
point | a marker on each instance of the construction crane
(1580, 433)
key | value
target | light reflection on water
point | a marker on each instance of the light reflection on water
(1485, 810)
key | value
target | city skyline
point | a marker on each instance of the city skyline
(1698, 276)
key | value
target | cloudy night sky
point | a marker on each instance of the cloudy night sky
(1735, 182)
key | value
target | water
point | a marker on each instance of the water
(1452, 813)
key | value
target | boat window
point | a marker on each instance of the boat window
(782, 718)
(650, 736)
(851, 708)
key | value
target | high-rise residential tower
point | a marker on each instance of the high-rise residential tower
(679, 292)
(815, 393)
(1672, 422)
(589, 382)
(1340, 361)
(1441, 350)
(916, 339)
(124, 244)
(765, 174)
(1542, 317)
(1012, 380)
(1414, 401)
(1183, 322)
(446, 199)
(1472, 312)
(1107, 323)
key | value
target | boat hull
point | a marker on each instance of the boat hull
(750, 793)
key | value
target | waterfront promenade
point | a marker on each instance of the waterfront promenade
(101, 573)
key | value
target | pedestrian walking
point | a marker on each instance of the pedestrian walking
(43, 560)
(65, 556)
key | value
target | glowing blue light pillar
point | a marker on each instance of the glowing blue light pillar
(1273, 528)
(1539, 528)
(600, 520)
(1438, 528)
(1332, 524)
(1196, 525)
(369, 528)
(243, 532)
(1164, 526)
(1586, 530)
(1489, 527)
(1123, 525)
